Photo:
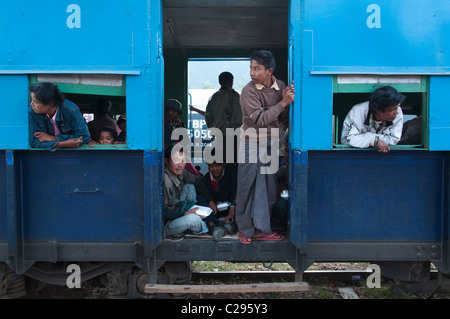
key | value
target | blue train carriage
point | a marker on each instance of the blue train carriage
(100, 207)
(97, 207)
(350, 204)
(106, 214)
(359, 204)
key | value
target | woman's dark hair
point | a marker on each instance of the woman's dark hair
(110, 130)
(265, 58)
(384, 97)
(47, 93)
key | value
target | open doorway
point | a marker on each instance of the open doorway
(203, 82)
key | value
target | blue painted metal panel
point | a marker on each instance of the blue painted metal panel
(439, 114)
(153, 199)
(367, 196)
(311, 112)
(14, 218)
(381, 36)
(298, 198)
(93, 196)
(14, 120)
(145, 92)
(70, 35)
(3, 233)
(156, 77)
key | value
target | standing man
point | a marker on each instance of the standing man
(224, 111)
(263, 99)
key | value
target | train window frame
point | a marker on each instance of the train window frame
(82, 83)
(87, 87)
(413, 85)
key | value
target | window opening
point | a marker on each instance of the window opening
(349, 90)
(203, 82)
(85, 90)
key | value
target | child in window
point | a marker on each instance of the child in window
(122, 123)
(108, 135)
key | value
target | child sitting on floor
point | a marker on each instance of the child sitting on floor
(216, 187)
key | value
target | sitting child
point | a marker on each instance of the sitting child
(219, 185)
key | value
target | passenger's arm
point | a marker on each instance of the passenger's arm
(79, 129)
(354, 132)
(37, 126)
(193, 108)
(171, 213)
(355, 136)
(260, 115)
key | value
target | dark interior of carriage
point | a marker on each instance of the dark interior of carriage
(220, 29)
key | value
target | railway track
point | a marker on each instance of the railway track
(322, 284)
(332, 284)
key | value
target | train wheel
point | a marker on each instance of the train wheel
(175, 273)
(408, 271)
(12, 285)
(411, 277)
(117, 281)
(127, 282)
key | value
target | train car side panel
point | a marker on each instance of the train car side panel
(145, 92)
(14, 120)
(439, 118)
(379, 36)
(3, 233)
(313, 100)
(59, 35)
(356, 196)
(90, 188)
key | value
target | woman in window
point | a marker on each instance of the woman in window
(55, 122)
